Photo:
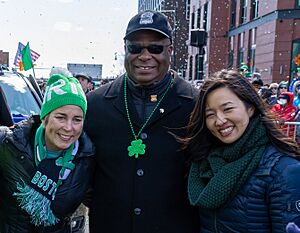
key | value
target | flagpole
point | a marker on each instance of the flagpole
(33, 71)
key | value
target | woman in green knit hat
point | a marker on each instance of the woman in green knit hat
(46, 163)
(244, 174)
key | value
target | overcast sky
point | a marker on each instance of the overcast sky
(67, 31)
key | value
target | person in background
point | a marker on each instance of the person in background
(245, 71)
(91, 86)
(46, 163)
(282, 86)
(266, 95)
(244, 172)
(274, 88)
(85, 81)
(296, 101)
(285, 111)
(140, 180)
(257, 84)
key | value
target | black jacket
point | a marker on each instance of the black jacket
(17, 162)
(148, 194)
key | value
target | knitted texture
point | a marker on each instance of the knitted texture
(61, 91)
(217, 179)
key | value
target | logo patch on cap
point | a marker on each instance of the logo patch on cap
(146, 18)
(298, 205)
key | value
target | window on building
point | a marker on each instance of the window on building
(187, 9)
(191, 68)
(198, 17)
(241, 56)
(252, 49)
(254, 9)
(233, 14)
(205, 16)
(241, 48)
(243, 11)
(230, 52)
(295, 57)
(197, 67)
(242, 39)
(298, 4)
(193, 21)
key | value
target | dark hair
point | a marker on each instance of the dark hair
(199, 140)
(257, 81)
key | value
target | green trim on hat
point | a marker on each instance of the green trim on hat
(61, 91)
(244, 67)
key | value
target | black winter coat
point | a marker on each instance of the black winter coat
(17, 162)
(267, 202)
(148, 194)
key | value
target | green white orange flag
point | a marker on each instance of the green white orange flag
(26, 57)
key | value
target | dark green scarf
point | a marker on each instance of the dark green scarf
(217, 179)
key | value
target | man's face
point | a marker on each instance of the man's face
(147, 65)
(84, 83)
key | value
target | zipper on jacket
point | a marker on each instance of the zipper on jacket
(215, 221)
(289, 207)
(144, 111)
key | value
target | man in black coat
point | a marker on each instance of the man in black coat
(140, 181)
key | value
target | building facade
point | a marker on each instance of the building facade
(265, 35)
(4, 58)
(177, 13)
(211, 55)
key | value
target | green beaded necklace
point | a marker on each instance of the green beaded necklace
(137, 146)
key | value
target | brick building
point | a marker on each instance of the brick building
(265, 35)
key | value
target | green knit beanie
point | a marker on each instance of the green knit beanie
(61, 91)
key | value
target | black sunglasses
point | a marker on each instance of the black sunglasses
(282, 87)
(154, 49)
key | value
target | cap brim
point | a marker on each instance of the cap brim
(147, 28)
(83, 76)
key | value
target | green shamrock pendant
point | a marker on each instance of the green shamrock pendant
(137, 148)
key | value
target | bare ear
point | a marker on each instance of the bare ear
(43, 122)
(251, 110)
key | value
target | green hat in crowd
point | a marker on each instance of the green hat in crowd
(298, 69)
(60, 91)
(244, 67)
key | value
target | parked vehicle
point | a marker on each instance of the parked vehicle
(18, 97)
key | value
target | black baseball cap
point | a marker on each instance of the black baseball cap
(149, 20)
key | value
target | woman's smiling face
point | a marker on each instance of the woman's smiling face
(63, 127)
(226, 115)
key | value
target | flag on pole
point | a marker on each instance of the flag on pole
(18, 57)
(26, 57)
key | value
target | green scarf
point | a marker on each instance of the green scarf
(35, 196)
(214, 181)
(40, 153)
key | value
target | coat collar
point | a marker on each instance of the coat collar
(179, 90)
